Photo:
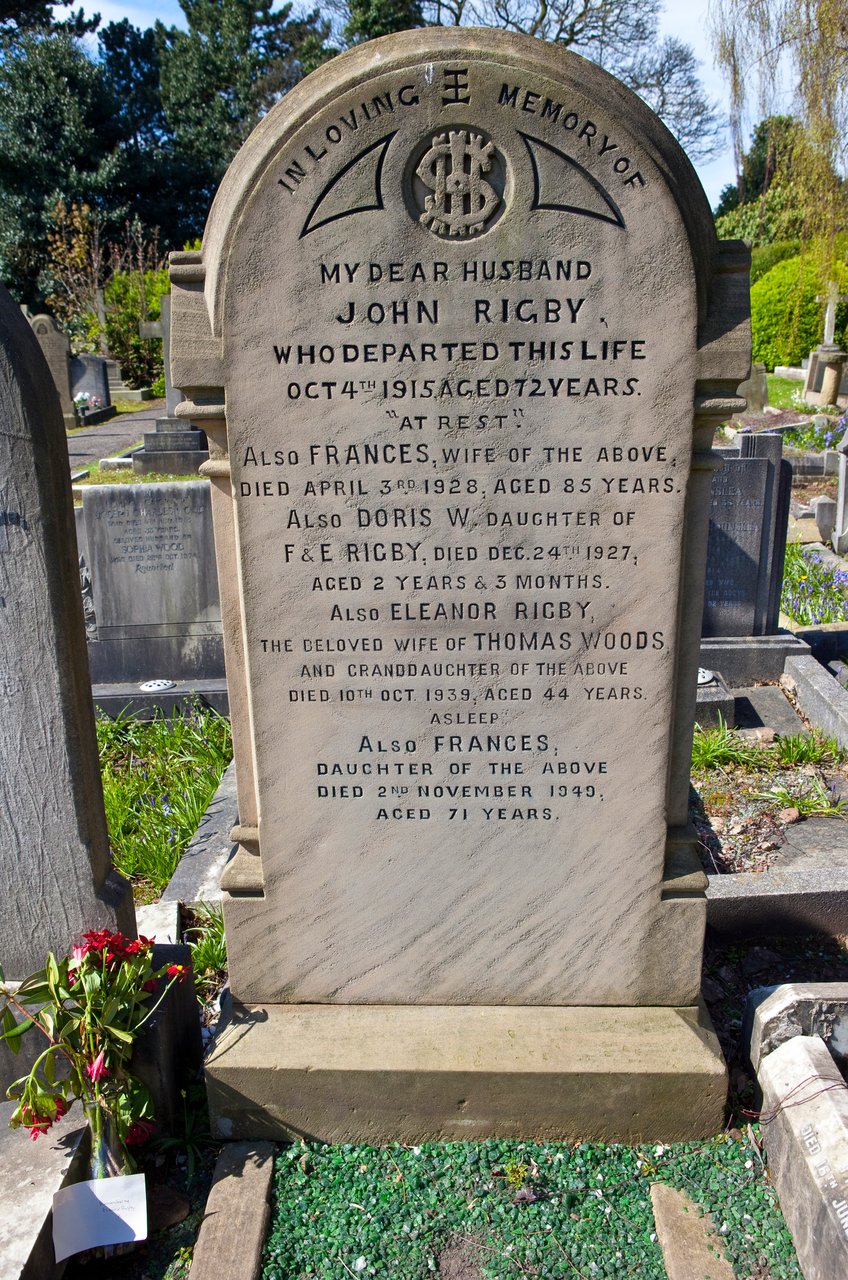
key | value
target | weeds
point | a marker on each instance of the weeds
(158, 778)
(809, 748)
(812, 798)
(722, 748)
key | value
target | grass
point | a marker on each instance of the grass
(514, 1209)
(786, 393)
(812, 590)
(126, 475)
(158, 778)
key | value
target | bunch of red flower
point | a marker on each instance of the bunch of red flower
(114, 946)
(40, 1123)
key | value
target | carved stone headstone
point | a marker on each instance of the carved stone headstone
(57, 352)
(153, 585)
(459, 335)
(54, 851)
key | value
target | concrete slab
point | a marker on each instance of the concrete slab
(369, 1073)
(774, 1015)
(30, 1175)
(744, 659)
(198, 876)
(691, 1246)
(805, 1131)
(114, 700)
(766, 706)
(817, 844)
(235, 1221)
(751, 903)
(715, 703)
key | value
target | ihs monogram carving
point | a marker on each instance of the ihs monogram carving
(463, 202)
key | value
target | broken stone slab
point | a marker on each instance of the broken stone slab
(240, 1194)
(691, 1246)
(805, 1131)
(774, 1015)
(821, 698)
(159, 921)
(30, 1175)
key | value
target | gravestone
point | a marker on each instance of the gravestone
(89, 377)
(57, 352)
(175, 447)
(54, 851)
(459, 335)
(153, 609)
(749, 509)
(754, 390)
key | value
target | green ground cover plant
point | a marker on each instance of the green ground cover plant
(158, 777)
(514, 1209)
(817, 435)
(813, 591)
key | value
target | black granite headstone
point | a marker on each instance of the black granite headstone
(747, 539)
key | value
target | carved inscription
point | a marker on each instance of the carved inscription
(458, 312)
(459, 515)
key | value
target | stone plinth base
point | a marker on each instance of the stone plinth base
(380, 1074)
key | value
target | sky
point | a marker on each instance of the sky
(686, 19)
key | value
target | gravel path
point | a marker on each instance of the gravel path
(112, 437)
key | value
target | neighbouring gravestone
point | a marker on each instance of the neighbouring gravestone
(459, 335)
(54, 851)
(90, 378)
(149, 573)
(175, 447)
(57, 352)
(749, 510)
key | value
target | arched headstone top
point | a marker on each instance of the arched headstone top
(568, 143)
(459, 332)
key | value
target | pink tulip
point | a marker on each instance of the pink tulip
(97, 1069)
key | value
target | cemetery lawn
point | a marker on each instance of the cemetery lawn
(158, 778)
(502, 1209)
(126, 475)
(786, 393)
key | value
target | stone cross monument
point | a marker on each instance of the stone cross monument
(459, 334)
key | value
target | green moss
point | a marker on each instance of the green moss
(583, 1210)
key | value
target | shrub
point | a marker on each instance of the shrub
(786, 320)
(766, 256)
(131, 297)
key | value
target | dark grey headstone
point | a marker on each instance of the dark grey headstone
(89, 376)
(56, 876)
(747, 539)
(151, 556)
